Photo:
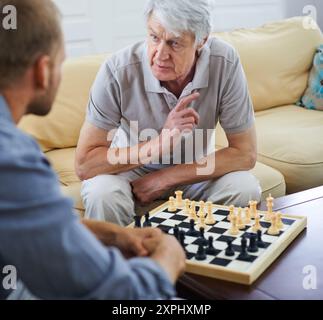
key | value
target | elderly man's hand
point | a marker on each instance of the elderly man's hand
(149, 188)
(181, 117)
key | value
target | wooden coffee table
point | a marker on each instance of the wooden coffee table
(284, 278)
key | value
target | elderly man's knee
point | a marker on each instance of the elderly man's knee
(106, 190)
(246, 187)
(236, 188)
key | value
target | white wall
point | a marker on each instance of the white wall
(295, 8)
(95, 26)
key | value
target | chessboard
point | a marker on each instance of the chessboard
(227, 243)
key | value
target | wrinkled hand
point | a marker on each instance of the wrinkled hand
(148, 188)
(130, 241)
(181, 117)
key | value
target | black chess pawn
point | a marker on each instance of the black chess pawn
(229, 250)
(201, 239)
(192, 232)
(176, 232)
(260, 243)
(181, 238)
(244, 255)
(147, 222)
(210, 249)
(253, 243)
(200, 255)
(137, 221)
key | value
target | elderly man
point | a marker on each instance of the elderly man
(178, 80)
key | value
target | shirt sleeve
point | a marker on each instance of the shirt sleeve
(236, 109)
(55, 255)
(105, 100)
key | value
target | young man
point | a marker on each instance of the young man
(56, 256)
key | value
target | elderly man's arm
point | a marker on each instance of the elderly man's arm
(94, 154)
(240, 155)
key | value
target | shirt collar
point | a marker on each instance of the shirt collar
(4, 109)
(200, 80)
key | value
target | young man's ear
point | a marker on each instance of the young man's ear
(42, 72)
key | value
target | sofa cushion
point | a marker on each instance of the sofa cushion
(62, 161)
(61, 128)
(290, 140)
(276, 58)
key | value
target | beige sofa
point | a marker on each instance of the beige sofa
(276, 57)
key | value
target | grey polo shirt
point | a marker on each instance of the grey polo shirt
(126, 90)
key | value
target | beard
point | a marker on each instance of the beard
(42, 104)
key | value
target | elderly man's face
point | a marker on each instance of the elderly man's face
(171, 58)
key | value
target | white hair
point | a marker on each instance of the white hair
(178, 16)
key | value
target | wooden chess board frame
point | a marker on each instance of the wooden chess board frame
(258, 266)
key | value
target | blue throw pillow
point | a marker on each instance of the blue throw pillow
(313, 96)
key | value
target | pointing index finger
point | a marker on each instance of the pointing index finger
(186, 101)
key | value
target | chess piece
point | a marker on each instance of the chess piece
(193, 211)
(253, 209)
(181, 238)
(270, 204)
(210, 249)
(201, 211)
(240, 222)
(187, 203)
(179, 199)
(273, 230)
(280, 224)
(257, 225)
(137, 222)
(247, 216)
(231, 213)
(192, 232)
(253, 243)
(172, 204)
(200, 255)
(260, 243)
(229, 250)
(244, 255)
(234, 230)
(201, 238)
(201, 223)
(147, 223)
(176, 232)
(209, 218)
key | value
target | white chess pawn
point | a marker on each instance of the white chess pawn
(257, 225)
(172, 204)
(201, 210)
(234, 230)
(187, 203)
(201, 223)
(240, 222)
(179, 199)
(193, 211)
(273, 230)
(210, 218)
